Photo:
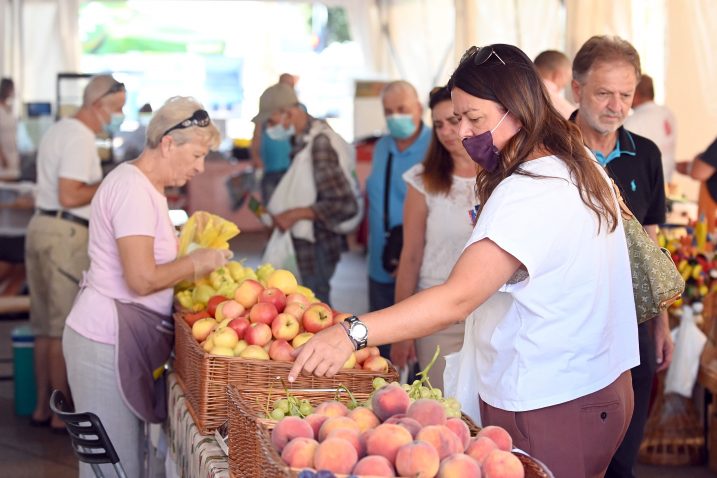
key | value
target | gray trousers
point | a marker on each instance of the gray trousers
(93, 382)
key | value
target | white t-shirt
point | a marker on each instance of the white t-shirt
(657, 123)
(448, 225)
(67, 150)
(126, 204)
(571, 328)
(8, 143)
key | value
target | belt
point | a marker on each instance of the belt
(67, 216)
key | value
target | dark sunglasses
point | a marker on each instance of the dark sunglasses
(480, 55)
(115, 88)
(199, 118)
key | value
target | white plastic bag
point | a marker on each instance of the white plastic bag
(280, 253)
(682, 374)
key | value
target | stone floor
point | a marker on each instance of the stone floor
(36, 452)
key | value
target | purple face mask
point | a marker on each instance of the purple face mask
(482, 150)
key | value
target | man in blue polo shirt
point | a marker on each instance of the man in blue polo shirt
(405, 145)
(605, 75)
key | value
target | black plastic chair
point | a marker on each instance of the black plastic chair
(89, 439)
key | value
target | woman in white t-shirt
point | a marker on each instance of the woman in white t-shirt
(436, 225)
(119, 330)
(554, 364)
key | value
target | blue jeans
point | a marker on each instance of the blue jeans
(320, 280)
(269, 182)
(380, 296)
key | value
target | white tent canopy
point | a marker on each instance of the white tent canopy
(421, 40)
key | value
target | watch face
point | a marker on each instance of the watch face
(359, 331)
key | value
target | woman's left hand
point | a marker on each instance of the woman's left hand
(324, 354)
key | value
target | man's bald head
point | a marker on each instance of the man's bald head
(401, 98)
(99, 87)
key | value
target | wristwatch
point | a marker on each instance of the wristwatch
(357, 331)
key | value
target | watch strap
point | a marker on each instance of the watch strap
(358, 344)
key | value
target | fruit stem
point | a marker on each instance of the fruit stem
(424, 373)
(351, 395)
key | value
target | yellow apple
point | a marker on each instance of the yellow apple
(225, 337)
(254, 352)
(223, 351)
(202, 328)
(301, 339)
(283, 280)
(351, 362)
(239, 347)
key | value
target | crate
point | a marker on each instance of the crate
(252, 455)
(204, 378)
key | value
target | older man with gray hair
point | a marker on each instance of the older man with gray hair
(68, 174)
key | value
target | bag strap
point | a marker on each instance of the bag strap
(387, 191)
(626, 213)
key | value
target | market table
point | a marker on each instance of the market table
(192, 454)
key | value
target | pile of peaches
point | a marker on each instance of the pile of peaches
(396, 436)
(267, 322)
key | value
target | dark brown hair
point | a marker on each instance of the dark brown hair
(645, 88)
(517, 88)
(6, 87)
(438, 163)
(551, 60)
(604, 49)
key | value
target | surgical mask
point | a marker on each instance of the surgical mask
(144, 119)
(279, 132)
(401, 126)
(113, 127)
(482, 150)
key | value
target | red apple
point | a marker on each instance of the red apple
(281, 350)
(274, 296)
(376, 363)
(341, 316)
(191, 318)
(263, 312)
(258, 334)
(296, 309)
(317, 317)
(297, 298)
(240, 324)
(285, 326)
(213, 303)
(229, 309)
(247, 294)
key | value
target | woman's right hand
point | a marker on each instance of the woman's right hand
(403, 353)
(205, 260)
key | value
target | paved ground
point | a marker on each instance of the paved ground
(33, 452)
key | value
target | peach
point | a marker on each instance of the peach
(442, 438)
(336, 455)
(459, 466)
(502, 464)
(408, 423)
(461, 430)
(365, 418)
(299, 452)
(427, 412)
(479, 448)
(374, 465)
(499, 436)
(335, 423)
(363, 438)
(332, 408)
(316, 420)
(289, 428)
(386, 439)
(376, 363)
(418, 459)
(389, 401)
(351, 436)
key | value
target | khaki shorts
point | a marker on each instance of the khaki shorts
(55, 258)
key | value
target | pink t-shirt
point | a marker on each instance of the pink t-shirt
(126, 204)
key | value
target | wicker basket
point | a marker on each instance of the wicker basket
(252, 455)
(205, 377)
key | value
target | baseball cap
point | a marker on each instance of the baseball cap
(275, 98)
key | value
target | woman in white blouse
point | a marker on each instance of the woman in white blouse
(436, 226)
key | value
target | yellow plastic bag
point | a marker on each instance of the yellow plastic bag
(206, 230)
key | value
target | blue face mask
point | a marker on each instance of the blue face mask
(113, 127)
(279, 132)
(401, 126)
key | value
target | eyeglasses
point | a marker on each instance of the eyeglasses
(115, 88)
(480, 55)
(199, 118)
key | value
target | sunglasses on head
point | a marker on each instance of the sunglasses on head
(199, 118)
(480, 55)
(115, 88)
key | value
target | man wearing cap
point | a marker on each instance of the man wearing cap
(268, 153)
(314, 215)
(68, 174)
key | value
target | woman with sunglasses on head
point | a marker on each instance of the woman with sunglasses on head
(437, 224)
(120, 329)
(554, 363)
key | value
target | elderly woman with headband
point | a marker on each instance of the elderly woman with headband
(120, 328)
(554, 363)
